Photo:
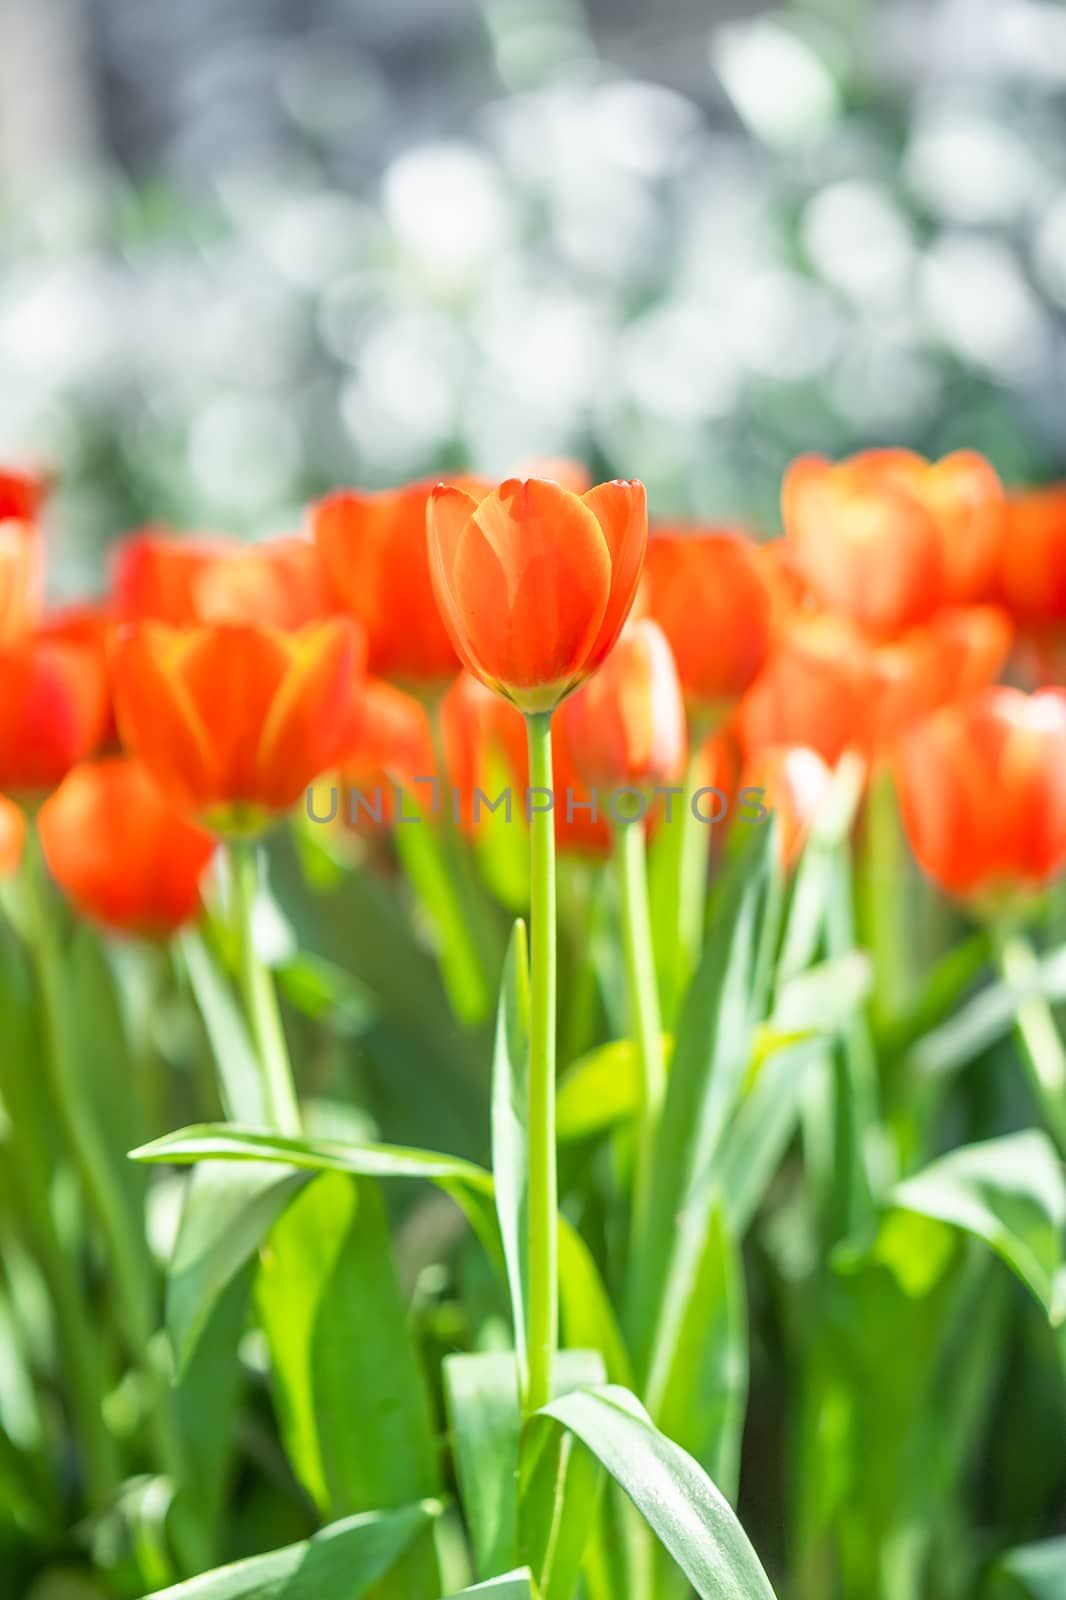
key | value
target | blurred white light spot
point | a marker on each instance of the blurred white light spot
(64, 326)
(979, 303)
(676, 365)
(970, 169)
(859, 241)
(314, 237)
(446, 204)
(779, 85)
(1050, 249)
(643, 127)
(780, 325)
(244, 452)
(878, 384)
(402, 401)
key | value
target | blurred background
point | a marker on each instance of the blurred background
(255, 249)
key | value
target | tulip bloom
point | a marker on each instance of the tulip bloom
(534, 582)
(162, 577)
(122, 854)
(626, 726)
(866, 544)
(982, 790)
(12, 836)
(1033, 564)
(21, 559)
(373, 552)
(234, 721)
(818, 689)
(54, 710)
(716, 597)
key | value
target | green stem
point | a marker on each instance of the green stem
(884, 902)
(631, 866)
(543, 1330)
(1042, 1046)
(693, 861)
(126, 1246)
(260, 999)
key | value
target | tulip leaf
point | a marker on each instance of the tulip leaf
(227, 1212)
(239, 1078)
(671, 1491)
(698, 1380)
(711, 1055)
(517, 1585)
(482, 1396)
(1010, 1193)
(510, 1139)
(341, 1562)
(586, 1309)
(326, 1288)
(1032, 1572)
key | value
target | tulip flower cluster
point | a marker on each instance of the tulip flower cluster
(723, 746)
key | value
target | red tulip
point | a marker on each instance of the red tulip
(626, 726)
(534, 582)
(373, 551)
(716, 596)
(234, 721)
(162, 577)
(982, 789)
(121, 853)
(54, 709)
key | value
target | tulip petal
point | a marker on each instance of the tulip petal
(621, 509)
(307, 725)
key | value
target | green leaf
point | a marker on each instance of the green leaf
(227, 1213)
(762, 1130)
(559, 1498)
(1008, 1192)
(223, 1141)
(239, 1078)
(587, 1314)
(1032, 1572)
(698, 1381)
(482, 1397)
(481, 1394)
(510, 1141)
(711, 1056)
(340, 1563)
(352, 1398)
(598, 1090)
(671, 1491)
(517, 1585)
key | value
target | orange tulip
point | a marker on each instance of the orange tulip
(234, 721)
(154, 574)
(715, 595)
(54, 709)
(1033, 563)
(373, 551)
(121, 853)
(12, 836)
(982, 789)
(794, 780)
(866, 544)
(626, 726)
(818, 689)
(87, 626)
(534, 582)
(163, 577)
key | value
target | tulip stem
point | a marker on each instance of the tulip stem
(1041, 1042)
(260, 999)
(645, 1021)
(693, 862)
(543, 1312)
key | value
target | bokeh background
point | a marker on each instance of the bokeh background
(252, 249)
